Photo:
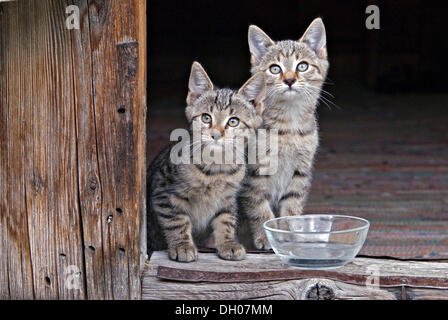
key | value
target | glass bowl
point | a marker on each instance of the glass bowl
(316, 241)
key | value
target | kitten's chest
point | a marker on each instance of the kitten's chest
(295, 152)
(200, 190)
(207, 197)
(279, 182)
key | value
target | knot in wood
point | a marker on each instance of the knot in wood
(93, 183)
(320, 292)
(37, 182)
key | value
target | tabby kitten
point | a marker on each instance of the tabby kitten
(189, 201)
(295, 72)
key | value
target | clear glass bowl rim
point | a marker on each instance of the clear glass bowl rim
(366, 226)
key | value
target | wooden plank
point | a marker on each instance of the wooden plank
(342, 283)
(17, 276)
(154, 288)
(4, 278)
(286, 274)
(305, 289)
(90, 188)
(425, 294)
(258, 263)
(43, 221)
(117, 33)
(72, 167)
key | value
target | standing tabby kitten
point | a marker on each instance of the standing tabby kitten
(187, 200)
(295, 72)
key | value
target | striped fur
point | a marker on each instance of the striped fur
(187, 202)
(290, 110)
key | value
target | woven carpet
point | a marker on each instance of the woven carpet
(387, 161)
(383, 158)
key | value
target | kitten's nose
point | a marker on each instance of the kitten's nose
(289, 81)
(216, 134)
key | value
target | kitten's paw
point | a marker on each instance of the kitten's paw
(231, 251)
(262, 243)
(183, 253)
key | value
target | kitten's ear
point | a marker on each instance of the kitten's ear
(259, 42)
(198, 84)
(254, 90)
(316, 38)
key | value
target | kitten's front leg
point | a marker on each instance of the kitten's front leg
(257, 209)
(262, 214)
(293, 200)
(177, 229)
(227, 246)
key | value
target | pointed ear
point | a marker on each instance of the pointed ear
(259, 42)
(316, 38)
(254, 90)
(198, 84)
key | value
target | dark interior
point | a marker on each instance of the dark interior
(407, 54)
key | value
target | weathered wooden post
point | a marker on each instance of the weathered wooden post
(72, 141)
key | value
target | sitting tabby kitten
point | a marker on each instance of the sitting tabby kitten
(295, 72)
(186, 200)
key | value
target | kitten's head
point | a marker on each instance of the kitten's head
(293, 69)
(223, 114)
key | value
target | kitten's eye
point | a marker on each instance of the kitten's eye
(302, 67)
(233, 122)
(275, 69)
(206, 118)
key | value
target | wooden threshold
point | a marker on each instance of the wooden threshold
(265, 276)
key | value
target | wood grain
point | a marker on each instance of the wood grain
(118, 71)
(72, 166)
(43, 223)
(89, 181)
(343, 283)
(304, 289)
